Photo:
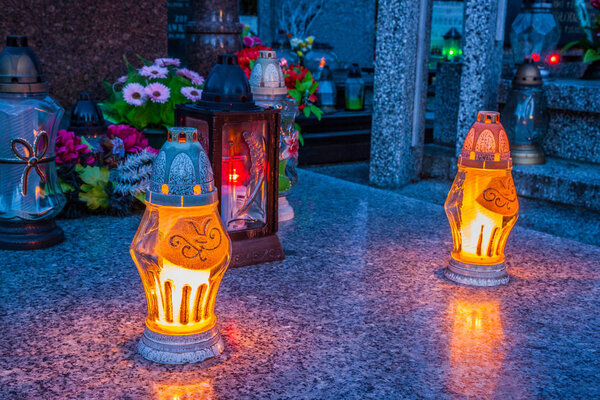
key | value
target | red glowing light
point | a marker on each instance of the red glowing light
(535, 57)
(322, 62)
(554, 59)
(234, 171)
(233, 176)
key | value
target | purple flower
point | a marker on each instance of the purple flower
(191, 93)
(130, 138)
(163, 62)
(134, 94)
(153, 71)
(158, 93)
(191, 75)
(70, 150)
(122, 79)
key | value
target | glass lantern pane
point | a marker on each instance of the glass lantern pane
(244, 186)
(202, 128)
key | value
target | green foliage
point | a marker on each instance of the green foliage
(284, 182)
(93, 190)
(591, 55)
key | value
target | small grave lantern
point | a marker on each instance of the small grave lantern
(452, 49)
(181, 250)
(482, 205)
(242, 141)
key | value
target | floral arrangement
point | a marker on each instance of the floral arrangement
(113, 179)
(249, 38)
(591, 45)
(146, 97)
(301, 46)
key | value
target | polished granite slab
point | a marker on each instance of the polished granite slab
(359, 309)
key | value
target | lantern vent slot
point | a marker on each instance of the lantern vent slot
(169, 301)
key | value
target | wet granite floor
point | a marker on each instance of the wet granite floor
(562, 220)
(359, 309)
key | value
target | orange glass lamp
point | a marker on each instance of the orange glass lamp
(181, 250)
(482, 205)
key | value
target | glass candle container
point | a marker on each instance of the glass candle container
(321, 54)
(354, 89)
(327, 94)
(269, 91)
(482, 205)
(535, 32)
(30, 194)
(525, 116)
(181, 250)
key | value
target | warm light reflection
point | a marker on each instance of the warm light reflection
(181, 254)
(322, 62)
(476, 350)
(203, 390)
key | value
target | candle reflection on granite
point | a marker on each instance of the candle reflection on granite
(203, 390)
(476, 347)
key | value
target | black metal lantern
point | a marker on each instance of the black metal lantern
(87, 121)
(242, 140)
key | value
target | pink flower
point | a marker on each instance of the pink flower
(134, 94)
(158, 92)
(133, 140)
(152, 150)
(163, 62)
(153, 71)
(251, 41)
(191, 93)
(191, 75)
(122, 79)
(291, 151)
(70, 150)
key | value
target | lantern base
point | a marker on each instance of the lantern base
(30, 235)
(527, 155)
(476, 275)
(180, 349)
(285, 210)
(255, 251)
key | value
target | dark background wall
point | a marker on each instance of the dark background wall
(82, 42)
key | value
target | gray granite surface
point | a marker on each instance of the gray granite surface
(567, 221)
(395, 157)
(359, 309)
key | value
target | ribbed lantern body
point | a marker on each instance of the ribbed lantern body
(181, 250)
(482, 205)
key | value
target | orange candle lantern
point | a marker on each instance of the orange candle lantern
(181, 250)
(482, 205)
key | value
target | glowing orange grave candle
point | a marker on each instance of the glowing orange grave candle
(181, 250)
(482, 205)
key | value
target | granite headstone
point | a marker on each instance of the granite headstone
(81, 43)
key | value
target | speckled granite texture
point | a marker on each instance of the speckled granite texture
(446, 102)
(394, 159)
(359, 309)
(82, 42)
(482, 64)
(574, 118)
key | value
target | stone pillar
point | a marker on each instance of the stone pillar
(483, 38)
(446, 102)
(402, 51)
(213, 29)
